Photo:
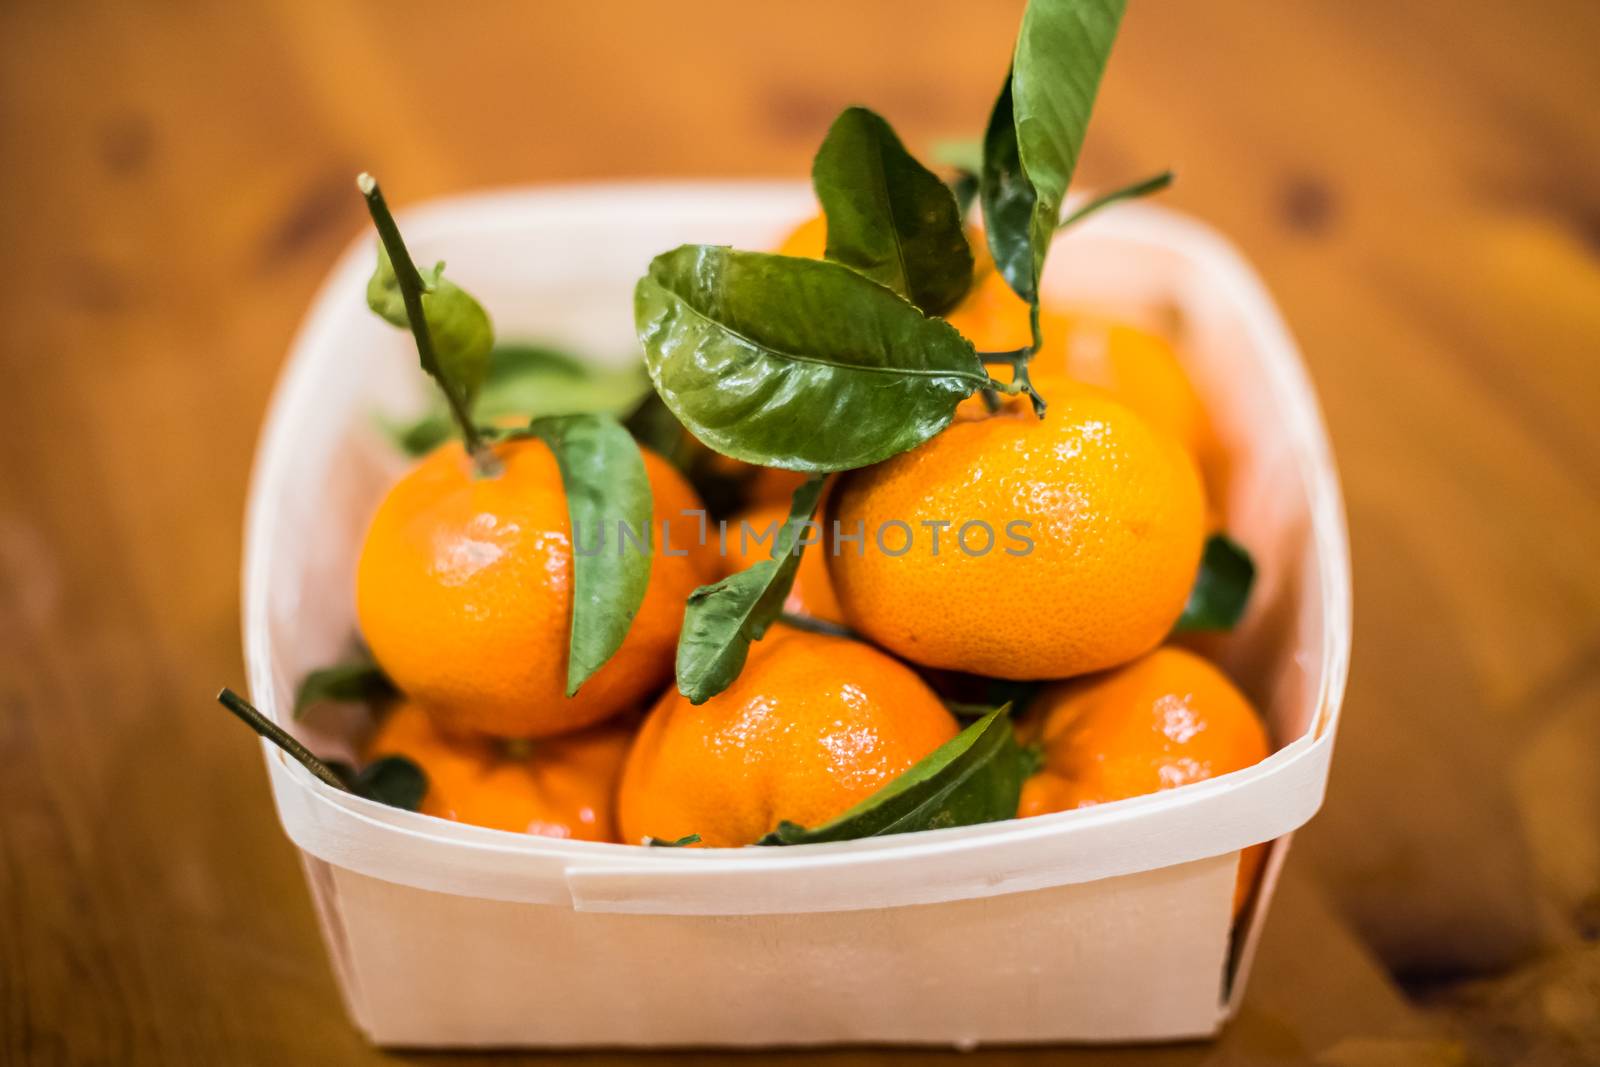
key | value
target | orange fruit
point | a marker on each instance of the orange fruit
(812, 592)
(809, 240)
(1141, 369)
(992, 317)
(812, 725)
(1067, 544)
(561, 787)
(1164, 720)
(464, 593)
(1136, 366)
(772, 484)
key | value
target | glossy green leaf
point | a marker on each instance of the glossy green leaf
(1061, 55)
(1037, 128)
(1221, 589)
(526, 381)
(605, 482)
(682, 842)
(1147, 187)
(459, 327)
(357, 679)
(1008, 200)
(889, 217)
(756, 354)
(721, 620)
(975, 777)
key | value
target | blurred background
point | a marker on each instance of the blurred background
(1416, 181)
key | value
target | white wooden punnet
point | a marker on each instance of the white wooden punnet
(1104, 924)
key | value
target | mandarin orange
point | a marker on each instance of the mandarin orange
(813, 725)
(1022, 548)
(1136, 366)
(560, 787)
(464, 592)
(809, 240)
(1162, 721)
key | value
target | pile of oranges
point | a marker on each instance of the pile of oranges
(465, 593)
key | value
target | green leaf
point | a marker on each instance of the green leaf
(1033, 759)
(961, 155)
(963, 710)
(682, 842)
(655, 427)
(890, 217)
(755, 353)
(1008, 199)
(526, 381)
(459, 327)
(982, 695)
(1061, 55)
(1153, 184)
(1037, 128)
(966, 159)
(1018, 694)
(975, 777)
(392, 780)
(721, 620)
(420, 436)
(359, 678)
(605, 482)
(964, 187)
(1221, 589)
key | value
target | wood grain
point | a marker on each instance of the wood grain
(1414, 180)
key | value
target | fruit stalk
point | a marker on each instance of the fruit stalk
(412, 288)
(280, 737)
(814, 625)
(1017, 359)
(1021, 379)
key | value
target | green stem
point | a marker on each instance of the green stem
(1022, 378)
(1017, 359)
(412, 288)
(1012, 356)
(816, 626)
(1149, 185)
(280, 737)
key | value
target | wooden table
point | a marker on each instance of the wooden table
(1415, 180)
